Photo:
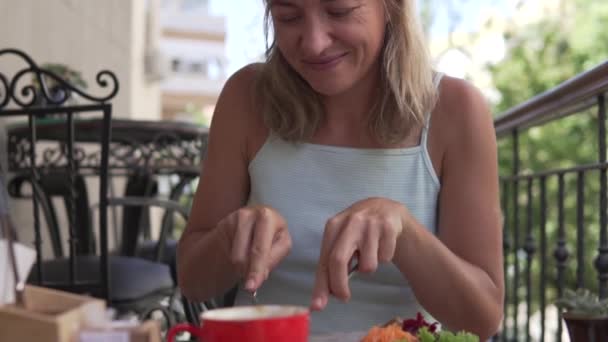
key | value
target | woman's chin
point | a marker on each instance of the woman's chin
(329, 87)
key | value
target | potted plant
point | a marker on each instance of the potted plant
(56, 90)
(586, 315)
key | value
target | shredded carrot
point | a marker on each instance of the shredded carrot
(389, 333)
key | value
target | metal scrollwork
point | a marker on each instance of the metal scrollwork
(4, 98)
(43, 91)
(165, 151)
(31, 93)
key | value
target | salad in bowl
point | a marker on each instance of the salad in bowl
(415, 330)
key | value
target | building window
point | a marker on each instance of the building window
(214, 69)
(176, 65)
(197, 67)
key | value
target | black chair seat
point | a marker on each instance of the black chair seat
(147, 250)
(132, 279)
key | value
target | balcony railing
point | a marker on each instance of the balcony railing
(555, 210)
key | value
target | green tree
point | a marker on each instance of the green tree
(542, 55)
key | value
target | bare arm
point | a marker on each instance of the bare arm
(463, 266)
(204, 267)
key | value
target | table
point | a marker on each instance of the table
(139, 150)
(156, 146)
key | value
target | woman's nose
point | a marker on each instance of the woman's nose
(315, 37)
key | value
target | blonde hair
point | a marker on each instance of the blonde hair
(293, 110)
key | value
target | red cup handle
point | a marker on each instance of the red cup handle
(182, 328)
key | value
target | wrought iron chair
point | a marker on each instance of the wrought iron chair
(128, 284)
(164, 249)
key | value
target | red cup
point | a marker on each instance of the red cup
(260, 323)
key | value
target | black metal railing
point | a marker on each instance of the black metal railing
(555, 227)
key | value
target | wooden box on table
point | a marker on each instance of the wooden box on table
(48, 315)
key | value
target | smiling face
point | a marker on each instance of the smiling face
(332, 44)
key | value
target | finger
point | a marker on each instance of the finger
(388, 243)
(226, 229)
(321, 292)
(243, 225)
(263, 235)
(343, 250)
(368, 253)
(279, 248)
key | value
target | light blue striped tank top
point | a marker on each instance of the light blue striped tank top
(308, 184)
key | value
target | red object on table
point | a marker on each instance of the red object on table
(413, 325)
(250, 323)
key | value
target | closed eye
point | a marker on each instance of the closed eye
(287, 18)
(341, 12)
(284, 11)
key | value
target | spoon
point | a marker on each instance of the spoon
(353, 268)
(253, 297)
(353, 265)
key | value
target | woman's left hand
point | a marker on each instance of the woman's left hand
(370, 228)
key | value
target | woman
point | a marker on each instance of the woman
(345, 144)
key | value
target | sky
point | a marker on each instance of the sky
(245, 37)
(245, 30)
(471, 12)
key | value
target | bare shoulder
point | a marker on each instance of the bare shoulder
(238, 92)
(462, 112)
(236, 114)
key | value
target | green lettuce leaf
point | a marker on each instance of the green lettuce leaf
(424, 335)
(446, 336)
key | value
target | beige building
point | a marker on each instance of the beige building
(194, 43)
(88, 36)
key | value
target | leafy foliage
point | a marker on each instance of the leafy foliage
(64, 72)
(424, 335)
(542, 55)
(583, 302)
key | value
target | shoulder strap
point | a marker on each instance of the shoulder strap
(436, 81)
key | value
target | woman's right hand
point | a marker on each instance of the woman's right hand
(258, 239)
